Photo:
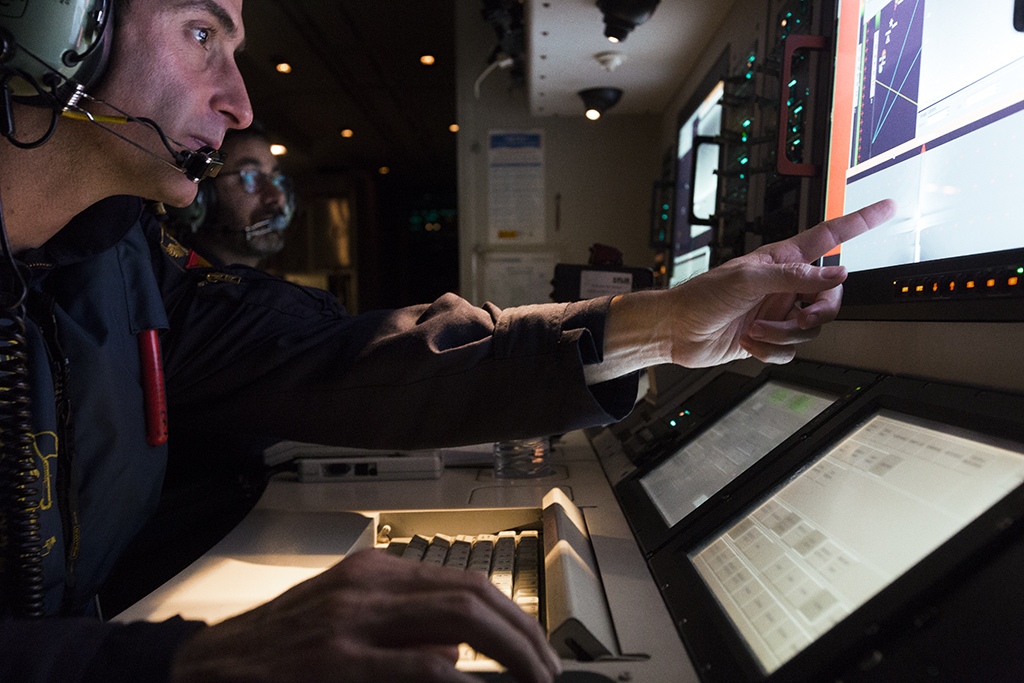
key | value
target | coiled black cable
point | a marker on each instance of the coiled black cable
(21, 558)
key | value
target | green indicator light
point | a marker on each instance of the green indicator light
(746, 124)
(796, 142)
(742, 176)
(664, 216)
(744, 160)
(664, 207)
(798, 109)
(686, 412)
(672, 423)
(1020, 270)
(792, 83)
(749, 75)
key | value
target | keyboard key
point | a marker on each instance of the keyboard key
(437, 551)
(416, 548)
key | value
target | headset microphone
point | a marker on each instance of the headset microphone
(196, 164)
(277, 223)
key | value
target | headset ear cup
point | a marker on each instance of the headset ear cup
(55, 45)
(92, 68)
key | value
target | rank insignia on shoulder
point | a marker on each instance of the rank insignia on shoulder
(183, 258)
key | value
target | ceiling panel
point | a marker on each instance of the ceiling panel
(565, 35)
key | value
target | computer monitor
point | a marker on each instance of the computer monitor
(927, 109)
(696, 185)
(761, 418)
(888, 503)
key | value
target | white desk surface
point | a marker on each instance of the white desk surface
(299, 529)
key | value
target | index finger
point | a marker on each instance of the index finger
(824, 237)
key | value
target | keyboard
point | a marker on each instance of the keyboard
(563, 592)
(511, 560)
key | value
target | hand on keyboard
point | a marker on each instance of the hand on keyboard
(509, 560)
(371, 617)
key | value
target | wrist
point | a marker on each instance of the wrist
(636, 336)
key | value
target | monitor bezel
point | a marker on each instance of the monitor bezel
(715, 646)
(651, 529)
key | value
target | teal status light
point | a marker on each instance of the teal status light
(746, 124)
(792, 83)
(672, 423)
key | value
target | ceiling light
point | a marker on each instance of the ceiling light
(284, 67)
(278, 150)
(454, 128)
(599, 100)
(383, 170)
(622, 16)
(427, 59)
(347, 133)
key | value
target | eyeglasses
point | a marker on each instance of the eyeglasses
(253, 179)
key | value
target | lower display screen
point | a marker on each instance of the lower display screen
(859, 517)
(727, 448)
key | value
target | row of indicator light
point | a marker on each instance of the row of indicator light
(674, 422)
(1008, 282)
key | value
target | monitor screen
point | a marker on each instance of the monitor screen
(875, 503)
(696, 180)
(744, 435)
(920, 117)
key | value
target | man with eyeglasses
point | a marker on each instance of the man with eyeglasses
(247, 207)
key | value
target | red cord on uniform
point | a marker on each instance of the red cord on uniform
(154, 397)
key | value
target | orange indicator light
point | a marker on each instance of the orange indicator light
(952, 286)
(991, 283)
(935, 286)
(970, 284)
(906, 289)
(1012, 281)
(919, 288)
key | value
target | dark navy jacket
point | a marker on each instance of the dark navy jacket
(245, 351)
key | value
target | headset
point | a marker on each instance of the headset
(51, 53)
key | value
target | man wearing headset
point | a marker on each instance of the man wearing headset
(243, 349)
(241, 215)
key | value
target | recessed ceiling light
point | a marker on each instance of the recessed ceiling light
(347, 133)
(454, 128)
(284, 67)
(278, 150)
(427, 59)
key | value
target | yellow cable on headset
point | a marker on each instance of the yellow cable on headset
(83, 116)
